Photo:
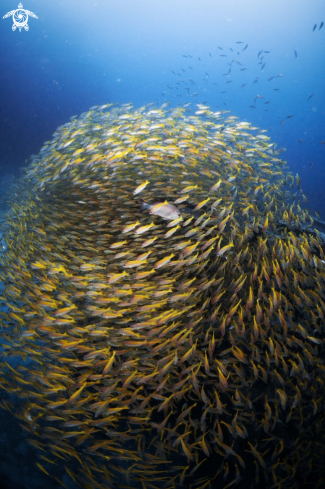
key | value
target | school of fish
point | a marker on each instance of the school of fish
(166, 283)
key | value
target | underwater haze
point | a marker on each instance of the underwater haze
(78, 54)
(90, 73)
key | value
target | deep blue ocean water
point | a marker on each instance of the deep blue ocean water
(78, 54)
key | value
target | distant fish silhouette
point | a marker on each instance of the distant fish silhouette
(245, 47)
(314, 27)
(321, 25)
(296, 54)
(310, 96)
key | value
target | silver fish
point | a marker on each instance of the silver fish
(169, 212)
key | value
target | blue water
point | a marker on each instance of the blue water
(78, 54)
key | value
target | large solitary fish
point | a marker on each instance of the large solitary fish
(169, 212)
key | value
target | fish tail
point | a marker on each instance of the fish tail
(144, 206)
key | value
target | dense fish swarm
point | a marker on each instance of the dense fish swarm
(165, 353)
